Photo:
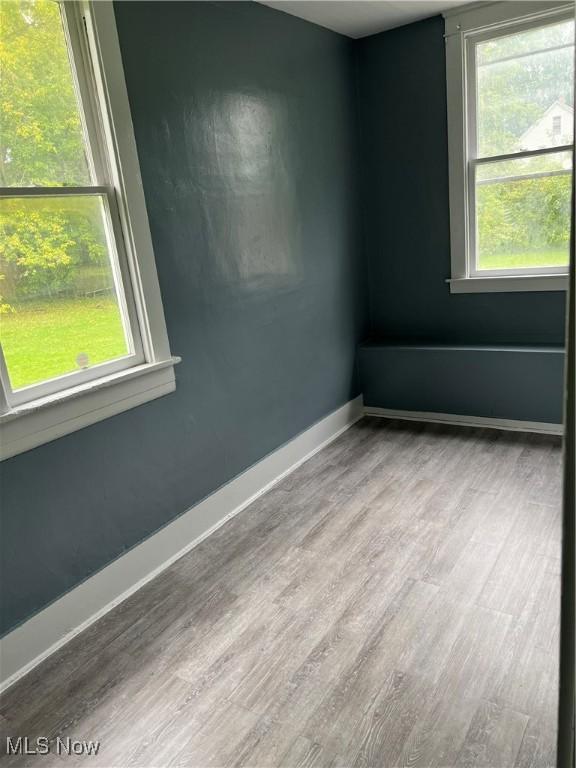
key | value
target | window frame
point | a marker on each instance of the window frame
(464, 29)
(42, 412)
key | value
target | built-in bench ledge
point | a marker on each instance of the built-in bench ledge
(510, 383)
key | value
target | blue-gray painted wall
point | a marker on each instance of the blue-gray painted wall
(497, 382)
(244, 122)
(404, 150)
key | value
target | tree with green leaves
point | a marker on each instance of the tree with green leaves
(41, 141)
(43, 241)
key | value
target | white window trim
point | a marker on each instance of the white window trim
(460, 24)
(27, 425)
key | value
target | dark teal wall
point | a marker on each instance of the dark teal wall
(244, 121)
(498, 382)
(402, 114)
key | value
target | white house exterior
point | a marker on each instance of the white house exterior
(555, 126)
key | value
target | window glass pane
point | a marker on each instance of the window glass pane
(41, 139)
(59, 307)
(525, 90)
(523, 212)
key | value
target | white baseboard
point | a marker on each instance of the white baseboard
(29, 644)
(467, 421)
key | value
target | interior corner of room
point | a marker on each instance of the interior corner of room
(288, 237)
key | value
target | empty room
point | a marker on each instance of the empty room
(287, 384)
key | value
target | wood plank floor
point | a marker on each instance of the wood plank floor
(393, 602)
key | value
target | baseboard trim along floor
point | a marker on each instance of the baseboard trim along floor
(467, 421)
(44, 633)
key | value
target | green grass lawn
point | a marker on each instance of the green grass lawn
(42, 340)
(552, 258)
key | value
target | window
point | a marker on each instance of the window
(510, 72)
(556, 126)
(82, 332)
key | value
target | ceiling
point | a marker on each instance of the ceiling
(358, 18)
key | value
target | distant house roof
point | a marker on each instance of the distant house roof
(535, 137)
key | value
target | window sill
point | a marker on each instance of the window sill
(508, 284)
(40, 421)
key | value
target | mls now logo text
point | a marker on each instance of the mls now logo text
(22, 745)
